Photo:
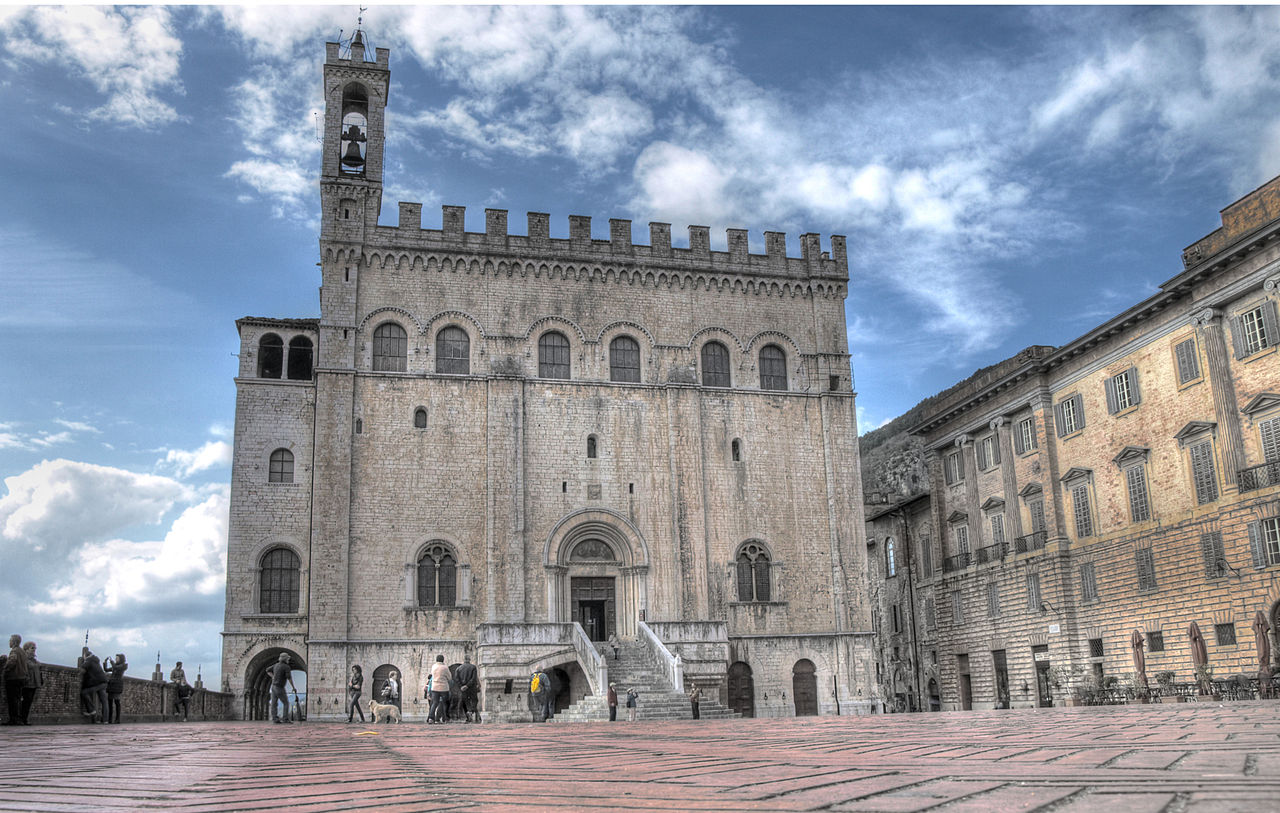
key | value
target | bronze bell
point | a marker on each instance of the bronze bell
(353, 158)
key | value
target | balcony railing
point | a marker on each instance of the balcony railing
(991, 553)
(958, 562)
(1030, 542)
(1255, 477)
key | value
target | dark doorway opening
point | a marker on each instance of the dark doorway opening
(742, 690)
(594, 605)
(804, 688)
(1044, 692)
(966, 683)
(1002, 678)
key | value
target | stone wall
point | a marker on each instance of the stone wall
(143, 701)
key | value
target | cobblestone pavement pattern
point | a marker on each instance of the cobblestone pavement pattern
(1194, 757)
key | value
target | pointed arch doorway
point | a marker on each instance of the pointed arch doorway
(596, 563)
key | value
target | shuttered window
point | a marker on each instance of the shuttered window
(1025, 438)
(1270, 432)
(1070, 415)
(993, 600)
(715, 365)
(988, 453)
(1214, 555)
(1083, 516)
(1122, 391)
(1203, 474)
(997, 529)
(453, 351)
(1188, 361)
(1036, 509)
(957, 608)
(926, 558)
(390, 348)
(1264, 542)
(1033, 592)
(1255, 330)
(962, 538)
(954, 468)
(624, 360)
(1088, 583)
(773, 368)
(1139, 504)
(1146, 566)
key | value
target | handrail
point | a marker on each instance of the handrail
(670, 663)
(1260, 476)
(596, 671)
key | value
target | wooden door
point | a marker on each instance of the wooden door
(742, 690)
(804, 688)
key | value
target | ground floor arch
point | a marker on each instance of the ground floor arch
(257, 681)
(804, 687)
(597, 566)
(741, 691)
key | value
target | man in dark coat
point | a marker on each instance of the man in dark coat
(115, 669)
(15, 677)
(93, 686)
(468, 682)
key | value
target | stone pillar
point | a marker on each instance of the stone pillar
(1226, 408)
(1009, 479)
(504, 524)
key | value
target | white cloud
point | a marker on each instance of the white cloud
(211, 454)
(78, 426)
(130, 55)
(57, 505)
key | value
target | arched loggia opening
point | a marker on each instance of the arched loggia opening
(257, 682)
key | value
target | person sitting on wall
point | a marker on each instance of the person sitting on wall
(115, 669)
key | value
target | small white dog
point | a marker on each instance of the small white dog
(383, 712)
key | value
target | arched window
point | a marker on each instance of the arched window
(890, 563)
(437, 576)
(591, 447)
(270, 356)
(736, 448)
(390, 348)
(553, 355)
(624, 360)
(773, 368)
(419, 418)
(453, 351)
(715, 365)
(299, 359)
(280, 469)
(753, 572)
(279, 584)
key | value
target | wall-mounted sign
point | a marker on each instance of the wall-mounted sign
(1054, 629)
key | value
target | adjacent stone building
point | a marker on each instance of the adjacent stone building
(1126, 482)
(512, 446)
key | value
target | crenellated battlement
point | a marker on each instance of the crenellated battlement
(737, 259)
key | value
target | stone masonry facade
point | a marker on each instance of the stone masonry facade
(1128, 481)
(510, 447)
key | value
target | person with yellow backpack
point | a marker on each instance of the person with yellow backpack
(540, 691)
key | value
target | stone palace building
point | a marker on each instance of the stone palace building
(514, 446)
(1076, 503)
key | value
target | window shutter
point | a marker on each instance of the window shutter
(744, 579)
(1256, 546)
(948, 470)
(1135, 394)
(1111, 395)
(1188, 363)
(1209, 549)
(1079, 399)
(1269, 323)
(995, 448)
(1237, 338)
(1018, 447)
(982, 455)
(1059, 419)
(1270, 431)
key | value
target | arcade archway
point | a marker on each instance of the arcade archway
(257, 682)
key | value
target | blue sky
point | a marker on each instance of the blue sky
(1006, 176)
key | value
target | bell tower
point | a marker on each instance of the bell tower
(355, 100)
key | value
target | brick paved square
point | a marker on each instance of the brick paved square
(1129, 758)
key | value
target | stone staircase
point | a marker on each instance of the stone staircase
(636, 667)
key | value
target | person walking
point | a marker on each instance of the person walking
(615, 644)
(115, 670)
(694, 697)
(280, 674)
(439, 686)
(355, 687)
(612, 697)
(633, 702)
(35, 681)
(391, 689)
(15, 678)
(468, 681)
